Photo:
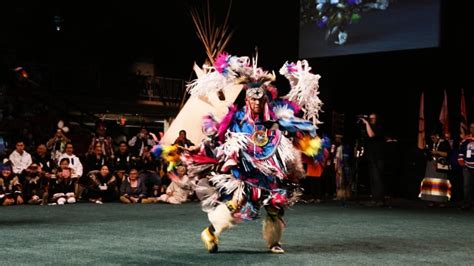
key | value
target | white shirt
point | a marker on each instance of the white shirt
(74, 163)
(181, 188)
(20, 161)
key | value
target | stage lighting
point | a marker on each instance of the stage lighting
(58, 21)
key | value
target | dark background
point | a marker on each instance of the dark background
(110, 38)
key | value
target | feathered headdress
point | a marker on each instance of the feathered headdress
(229, 69)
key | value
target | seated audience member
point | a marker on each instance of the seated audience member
(63, 164)
(133, 190)
(19, 158)
(105, 142)
(179, 189)
(61, 188)
(74, 162)
(11, 191)
(139, 142)
(35, 184)
(76, 168)
(122, 162)
(95, 160)
(182, 141)
(57, 144)
(149, 173)
(103, 187)
(43, 159)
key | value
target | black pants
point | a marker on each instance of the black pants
(106, 195)
(376, 178)
(313, 187)
(468, 175)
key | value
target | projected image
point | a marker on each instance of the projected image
(340, 27)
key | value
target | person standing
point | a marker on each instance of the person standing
(435, 187)
(375, 158)
(466, 160)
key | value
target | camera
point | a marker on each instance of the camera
(360, 117)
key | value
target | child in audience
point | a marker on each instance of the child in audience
(61, 188)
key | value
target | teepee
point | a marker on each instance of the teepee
(214, 39)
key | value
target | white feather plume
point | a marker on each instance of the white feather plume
(235, 141)
(304, 89)
(211, 82)
(225, 183)
(283, 112)
(286, 150)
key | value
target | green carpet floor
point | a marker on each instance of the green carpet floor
(323, 234)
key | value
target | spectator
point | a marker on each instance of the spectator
(374, 152)
(11, 191)
(76, 168)
(183, 141)
(61, 188)
(122, 162)
(95, 160)
(63, 164)
(435, 187)
(105, 142)
(74, 162)
(312, 183)
(43, 160)
(341, 169)
(139, 142)
(103, 186)
(19, 158)
(133, 190)
(466, 160)
(179, 189)
(150, 173)
(35, 185)
(57, 144)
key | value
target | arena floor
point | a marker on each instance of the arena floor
(317, 234)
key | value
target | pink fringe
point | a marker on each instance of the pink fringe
(221, 63)
(225, 123)
(293, 106)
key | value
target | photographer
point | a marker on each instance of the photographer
(374, 152)
(57, 144)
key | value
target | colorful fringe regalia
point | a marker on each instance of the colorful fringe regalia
(435, 186)
(252, 157)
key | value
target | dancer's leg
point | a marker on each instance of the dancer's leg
(273, 227)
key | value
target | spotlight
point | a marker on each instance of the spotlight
(21, 71)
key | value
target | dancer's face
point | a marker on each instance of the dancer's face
(256, 105)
